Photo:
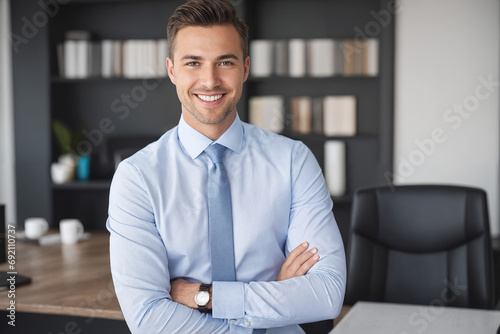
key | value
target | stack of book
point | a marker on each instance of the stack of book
(267, 112)
(80, 57)
(329, 115)
(339, 115)
(320, 57)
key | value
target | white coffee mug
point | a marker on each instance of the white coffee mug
(34, 228)
(71, 230)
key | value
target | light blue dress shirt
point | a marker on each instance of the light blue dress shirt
(159, 231)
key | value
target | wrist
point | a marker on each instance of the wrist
(203, 298)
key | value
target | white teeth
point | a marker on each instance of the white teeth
(210, 98)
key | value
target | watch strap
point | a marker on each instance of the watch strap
(205, 287)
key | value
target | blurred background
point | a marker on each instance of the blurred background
(426, 113)
(383, 92)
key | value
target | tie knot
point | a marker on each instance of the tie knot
(215, 152)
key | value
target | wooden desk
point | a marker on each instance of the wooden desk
(70, 280)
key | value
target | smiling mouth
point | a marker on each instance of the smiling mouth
(209, 98)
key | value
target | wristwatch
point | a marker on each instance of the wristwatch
(202, 297)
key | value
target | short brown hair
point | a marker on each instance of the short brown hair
(205, 13)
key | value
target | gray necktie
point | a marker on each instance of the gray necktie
(220, 217)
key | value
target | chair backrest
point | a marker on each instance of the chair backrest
(420, 244)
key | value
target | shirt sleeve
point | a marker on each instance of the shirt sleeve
(139, 264)
(316, 296)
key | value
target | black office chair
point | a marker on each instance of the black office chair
(319, 327)
(421, 244)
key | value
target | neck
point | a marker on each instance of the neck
(212, 131)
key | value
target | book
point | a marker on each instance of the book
(162, 51)
(335, 167)
(317, 115)
(107, 58)
(267, 112)
(76, 53)
(321, 57)
(281, 58)
(140, 59)
(338, 57)
(297, 58)
(339, 115)
(150, 61)
(301, 114)
(261, 56)
(60, 60)
(372, 55)
(82, 59)
(359, 57)
(348, 53)
(117, 58)
(140, 53)
(129, 58)
(70, 52)
(94, 59)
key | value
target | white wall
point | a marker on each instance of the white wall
(446, 112)
(7, 163)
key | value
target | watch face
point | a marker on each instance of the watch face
(202, 298)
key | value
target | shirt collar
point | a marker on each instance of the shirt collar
(195, 142)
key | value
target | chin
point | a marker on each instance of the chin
(213, 117)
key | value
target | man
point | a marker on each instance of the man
(289, 262)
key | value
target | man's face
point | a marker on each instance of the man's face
(208, 71)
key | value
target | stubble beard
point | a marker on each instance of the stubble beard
(212, 116)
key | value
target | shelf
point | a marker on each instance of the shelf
(55, 79)
(279, 78)
(317, 138)
(83, 185)
(83, 103)
(90, 2)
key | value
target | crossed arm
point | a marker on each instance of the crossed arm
(308, 290)
(298, 263)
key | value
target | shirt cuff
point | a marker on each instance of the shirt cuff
(228, 300)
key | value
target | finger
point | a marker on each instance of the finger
(296, 252)
(304, 268)
(301, 259)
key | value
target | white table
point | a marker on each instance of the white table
(387, 318)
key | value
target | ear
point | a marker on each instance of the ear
(247, 69)
(170, 70)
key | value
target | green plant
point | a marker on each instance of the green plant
(65, 138)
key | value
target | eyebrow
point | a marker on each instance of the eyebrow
(221, 57)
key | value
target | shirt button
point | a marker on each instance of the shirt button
(232, 321)
(247, 323)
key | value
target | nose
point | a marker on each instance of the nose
(210, 77)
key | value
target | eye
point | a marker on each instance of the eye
(226, 63)
(192, 63)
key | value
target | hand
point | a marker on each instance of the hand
(298, 262)
(183, 292)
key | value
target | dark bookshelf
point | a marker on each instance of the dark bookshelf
(83, 185)
(82, 103)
